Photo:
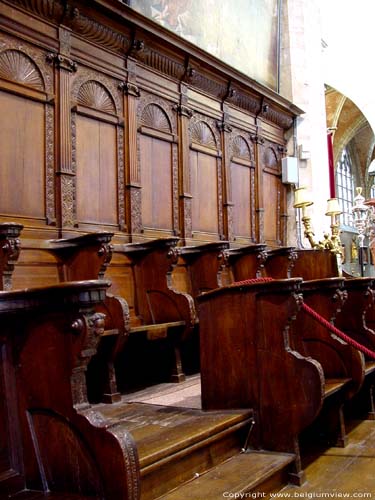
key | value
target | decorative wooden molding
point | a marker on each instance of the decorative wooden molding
(243, 100)
(121, 179)
(277, 117)
(208, 85)
(68, 201)
(224, 127)
(52, 10)
(100, 34)
(50, 164)
(157, 60)
(20, 68)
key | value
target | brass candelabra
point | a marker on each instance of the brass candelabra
(331, 241)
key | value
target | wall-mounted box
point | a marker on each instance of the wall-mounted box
(289, 170)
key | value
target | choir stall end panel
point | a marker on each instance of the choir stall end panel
(158, 167)
(98, 154)
(27, 182)
(206, 180)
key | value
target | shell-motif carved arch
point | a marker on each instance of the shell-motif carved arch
(155, 117)
(93, 94)
(241, 148)
(270, 158)
(20, 68)
(201, 133)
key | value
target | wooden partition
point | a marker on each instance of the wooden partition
(111, 123)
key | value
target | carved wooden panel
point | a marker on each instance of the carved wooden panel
(156, 176)
(97, 151)
(273, 195)
(96, 171)
(158, 164)
(206, 178)
(22, 156)
(242, 182)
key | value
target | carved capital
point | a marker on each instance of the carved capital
(183, 110)
(130, 89)
(258, 139)
(224, 126)
(62, 62)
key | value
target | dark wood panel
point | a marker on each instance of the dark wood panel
(96, 171)
(22, 156)
(240, 179)
(156, 179)
(205, 192)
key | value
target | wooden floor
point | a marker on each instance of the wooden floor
(348, 471)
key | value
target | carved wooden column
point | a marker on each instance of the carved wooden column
(184, 115)
(226, 130)
(284, 216)
(132, 175)
(66, 210)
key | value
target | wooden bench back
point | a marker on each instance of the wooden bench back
(51, 440)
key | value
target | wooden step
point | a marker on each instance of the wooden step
(244, 473)
(174, 444)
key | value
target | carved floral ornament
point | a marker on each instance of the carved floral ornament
(18, 67)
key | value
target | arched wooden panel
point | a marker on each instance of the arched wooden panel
(204, 188)
(96, 155)
(158, 167)
(206, 181)
(273, 197)
(242, 190)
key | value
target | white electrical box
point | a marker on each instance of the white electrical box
(289, 170)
